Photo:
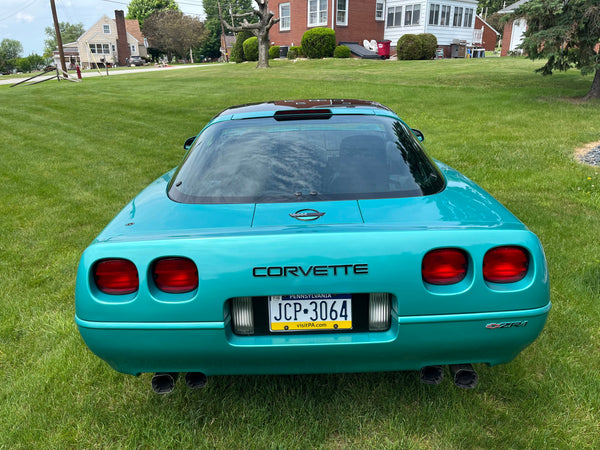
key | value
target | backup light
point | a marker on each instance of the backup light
(505, 264)
(116, 276)
(444, 266)
(242, 315)
(175, 275)
(379, 311)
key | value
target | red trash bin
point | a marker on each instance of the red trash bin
(383, 49)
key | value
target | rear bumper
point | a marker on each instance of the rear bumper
(412, 342)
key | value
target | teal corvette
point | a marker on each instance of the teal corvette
(310, 236)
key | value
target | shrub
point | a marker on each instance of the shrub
(237, 52)
(428, 45)
(409, 47)
(251, 49)
(295, 52)
(341, 51)
(318, 42)
(274, 52)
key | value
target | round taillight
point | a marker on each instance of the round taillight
(505, 264)
(175, 275)
(116, 276)
(444, 266)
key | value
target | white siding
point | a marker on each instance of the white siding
(444, 34)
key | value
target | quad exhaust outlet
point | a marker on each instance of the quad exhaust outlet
(463, 375)
(164, 382)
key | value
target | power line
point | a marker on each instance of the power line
(23, 8)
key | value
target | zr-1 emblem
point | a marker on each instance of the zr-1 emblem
(493, 326)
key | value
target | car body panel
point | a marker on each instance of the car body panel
(259, 250)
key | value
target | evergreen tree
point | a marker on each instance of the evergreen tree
(566, 33)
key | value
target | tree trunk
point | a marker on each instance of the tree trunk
(263, 51)
(595, 89)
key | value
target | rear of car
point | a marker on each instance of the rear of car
(307, 239)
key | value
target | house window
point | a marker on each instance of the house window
(317, 13)
(468, 17)
(114, 49)
(284, 15)
(133, 49)
(458, 15)
(434, 14)
(102, 49)
(106, 28)
(342, 12)
(412, 14)
(394, 16)
(379, 10)
(445, 16)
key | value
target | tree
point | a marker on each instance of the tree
(260, 29)
(212, 45)
(69, 33)
(174, 33)
(140, 9)
(31, 63)
(566, 33)
(10, 51)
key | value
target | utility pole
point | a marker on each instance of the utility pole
(223, 38)
(61, 50)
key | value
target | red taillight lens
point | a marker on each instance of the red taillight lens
(505, 264)
(175, 275)
(444, 266)
(116, 276)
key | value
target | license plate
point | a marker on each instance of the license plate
(311, 312)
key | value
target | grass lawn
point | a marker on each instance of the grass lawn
(72, 155)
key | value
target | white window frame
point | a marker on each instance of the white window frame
(410, 18)
(434, 14)
(468, 18)
(458, 16)
(132, 48)
(106, 28)
(100, 49)
(396, 13)
(343, 18)
(317, 13)
(445, 14)
(380, 10)
(285, 22)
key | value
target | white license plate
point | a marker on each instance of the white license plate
(311, 312)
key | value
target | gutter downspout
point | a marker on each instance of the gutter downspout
(333, 14)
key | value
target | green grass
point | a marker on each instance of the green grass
(72, 155)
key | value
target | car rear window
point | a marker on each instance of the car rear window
(334, 157)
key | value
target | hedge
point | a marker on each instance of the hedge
(341, 51)
(274, 52)
(318, 42)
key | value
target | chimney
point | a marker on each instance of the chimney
(123, 50)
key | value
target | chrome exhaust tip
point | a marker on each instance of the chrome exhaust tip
(195, 380)
(464, 376)
(164, 383)
(432, 374)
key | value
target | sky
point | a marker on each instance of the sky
(25, 20)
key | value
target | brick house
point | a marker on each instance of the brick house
(359, 20)
(485, 35)
(512, 35)
(110, 41)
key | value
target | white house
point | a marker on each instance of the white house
(108, 41)
(451, 21)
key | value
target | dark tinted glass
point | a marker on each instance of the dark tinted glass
(342, 157)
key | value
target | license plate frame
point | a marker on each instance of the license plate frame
(310, 313)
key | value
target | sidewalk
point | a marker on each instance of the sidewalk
(118, 72)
